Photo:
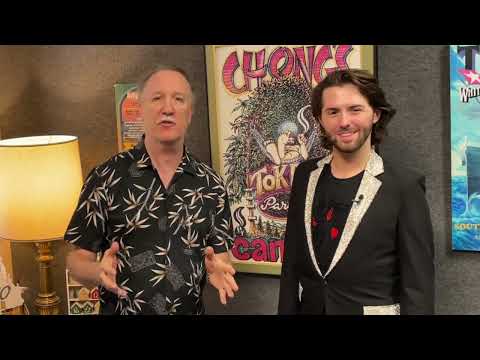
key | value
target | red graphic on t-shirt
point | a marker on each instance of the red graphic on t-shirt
(329, 214)
(334, 233)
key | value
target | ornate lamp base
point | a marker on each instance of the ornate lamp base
(47, 300)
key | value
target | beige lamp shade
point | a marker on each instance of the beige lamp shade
(40, 182)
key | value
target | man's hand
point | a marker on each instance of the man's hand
(108, 271)
(220, 274)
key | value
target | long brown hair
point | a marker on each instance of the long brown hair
(367, 85)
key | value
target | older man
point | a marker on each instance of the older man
(159, 216)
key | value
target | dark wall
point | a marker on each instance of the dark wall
(69, 89)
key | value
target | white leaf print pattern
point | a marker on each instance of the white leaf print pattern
(160, 274)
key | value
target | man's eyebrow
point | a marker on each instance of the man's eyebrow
(348, 106)
(331, 108)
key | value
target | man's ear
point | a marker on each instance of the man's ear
(189, 121)
(140, 108)
(376, 116)
(319, 119)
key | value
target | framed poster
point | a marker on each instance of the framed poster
(261, 128)
(465, 143)
(129, 124)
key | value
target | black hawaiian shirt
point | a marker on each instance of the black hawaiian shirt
(162, 232)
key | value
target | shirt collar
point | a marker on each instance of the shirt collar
(374, 164)
(188, 164)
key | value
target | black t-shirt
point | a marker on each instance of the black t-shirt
(331, 205)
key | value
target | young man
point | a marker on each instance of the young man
(359, 238)
(160, 217)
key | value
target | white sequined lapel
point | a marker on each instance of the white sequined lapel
(312, 185)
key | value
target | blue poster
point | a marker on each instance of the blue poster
(465, 142)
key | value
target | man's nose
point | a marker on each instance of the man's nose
(168, 106)
(344, 119)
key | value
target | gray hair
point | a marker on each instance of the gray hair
(161, 67)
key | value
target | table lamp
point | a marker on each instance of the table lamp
(40, 181)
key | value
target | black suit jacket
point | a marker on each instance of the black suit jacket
(384, 262)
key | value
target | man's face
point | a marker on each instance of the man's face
(347, 118)
(166, 107)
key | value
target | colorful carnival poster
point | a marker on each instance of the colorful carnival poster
(465, 140)
(262, 128)
(129, 122)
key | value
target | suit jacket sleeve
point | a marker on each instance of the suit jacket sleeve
(416, 252)
(288, 298)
